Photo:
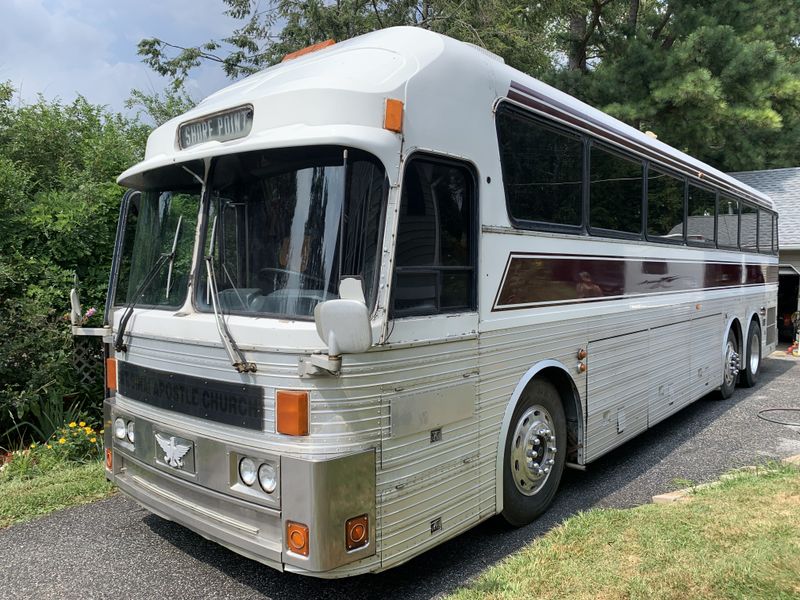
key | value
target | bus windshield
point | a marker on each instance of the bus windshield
(160, 230)
(283, 227)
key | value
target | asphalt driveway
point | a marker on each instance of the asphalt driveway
(112, 548)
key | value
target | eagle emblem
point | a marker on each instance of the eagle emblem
(174, 451)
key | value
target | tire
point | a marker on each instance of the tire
(539, 427)
(748, 376)
(730, 358)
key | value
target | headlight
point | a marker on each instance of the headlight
(129, 431)
(268, 477)
(119, 429)
(247, 471)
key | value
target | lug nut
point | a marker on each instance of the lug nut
(532, 454)
(547, 469)
(551, 462)
(536, 441)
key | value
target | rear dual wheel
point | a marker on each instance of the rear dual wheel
(752, 359)
(535, 453)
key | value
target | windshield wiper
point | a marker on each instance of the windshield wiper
(238, 360)
(119, 344)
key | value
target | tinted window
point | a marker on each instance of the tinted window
(728, 222)
(749, 227)
(615, 192)
(542, 170)
(765, 231)
(664, 205)
(702, 206)
(434, 257)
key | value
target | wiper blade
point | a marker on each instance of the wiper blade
(172, 256)
(119, 344)
(238, 360)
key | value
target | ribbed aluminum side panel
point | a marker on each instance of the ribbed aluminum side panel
(618, 387)
(670, 373)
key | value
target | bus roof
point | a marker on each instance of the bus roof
(336, 95)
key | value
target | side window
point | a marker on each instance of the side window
(615, 192)
(542, 171)
(765, 242)
(702, 209)
(728, 222)
(775, 238)
(664, 206)
(435, 252)
(749, 227)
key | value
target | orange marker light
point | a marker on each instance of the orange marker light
(356, 532)
(308, 50)
(109, 459)
(297, 538)
(393, 117)
(291, 407)
(111, 373)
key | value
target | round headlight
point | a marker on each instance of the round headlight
(268, 477)
(247, 471)
(119, 429)
(129, 431)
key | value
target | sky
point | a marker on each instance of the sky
(62, 48)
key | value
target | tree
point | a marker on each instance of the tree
(718, 79)
(59, 204)
(514, 29)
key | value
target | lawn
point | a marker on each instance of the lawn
(66, 484)
(737, 539)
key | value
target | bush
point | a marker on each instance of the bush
(59, 204)
(75, 442)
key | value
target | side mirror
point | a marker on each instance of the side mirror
(344, 324)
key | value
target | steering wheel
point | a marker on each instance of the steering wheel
(305, 277)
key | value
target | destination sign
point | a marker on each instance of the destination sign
(220, 127)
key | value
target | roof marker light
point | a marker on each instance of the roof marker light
(308, 50)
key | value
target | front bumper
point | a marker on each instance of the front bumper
(206, 495)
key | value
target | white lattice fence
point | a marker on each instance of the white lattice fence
(87, 354)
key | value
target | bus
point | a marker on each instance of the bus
(371, 296)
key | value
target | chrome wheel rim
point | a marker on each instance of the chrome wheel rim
(731, 363)
(755, 353)
(533, 450)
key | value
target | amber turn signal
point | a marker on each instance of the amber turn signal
(297, 538)
(111, 374)
(291, 407)
(393, 117)
(356, 532)
(109, 459)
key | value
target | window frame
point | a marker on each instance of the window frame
(559, 129)
(473, 180)
(701, 186)
(738, 200)
(755, 208)
(602, 231)
(660, 239)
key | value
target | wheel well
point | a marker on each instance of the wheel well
(570, 399)
(737, 331)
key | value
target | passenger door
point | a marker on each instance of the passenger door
(428, 482)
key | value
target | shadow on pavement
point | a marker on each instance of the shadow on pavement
(455, 562)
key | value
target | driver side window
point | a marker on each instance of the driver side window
(436, 243)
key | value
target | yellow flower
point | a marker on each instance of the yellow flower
(74, 433)
(62, 441)
(88, 430)
(82, 424)
(102, 431)
(73, 424)
(49, 446)
(33, 446)
(93, 440)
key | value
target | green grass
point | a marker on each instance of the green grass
(738, 539)
(66, 484)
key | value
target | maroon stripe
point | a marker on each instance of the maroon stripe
(547, 279)
(552, 107)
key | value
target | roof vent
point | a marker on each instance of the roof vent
(486, 52)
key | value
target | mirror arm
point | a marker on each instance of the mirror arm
(319, 364)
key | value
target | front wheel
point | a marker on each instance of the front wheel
(535, 453)
(730, 367)
(752, 363)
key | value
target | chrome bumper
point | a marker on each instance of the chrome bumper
(208, 498)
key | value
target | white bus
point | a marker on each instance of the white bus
(376, 294)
